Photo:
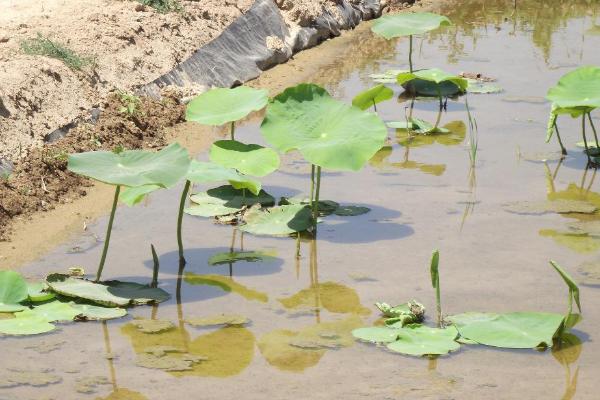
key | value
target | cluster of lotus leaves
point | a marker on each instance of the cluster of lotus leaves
(576, 93)
(406, 24)
(223, 105)
(327, 132)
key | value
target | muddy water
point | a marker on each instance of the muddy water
(422, 195)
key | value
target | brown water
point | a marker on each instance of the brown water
(422, 195)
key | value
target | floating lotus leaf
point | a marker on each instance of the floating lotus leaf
(79, 288)
(351, 211)
(227, 284)
(51, 312)
(38, 292)
(372, 96)
(13, 290)
(94, 313)
(222, 319)
(152, 325)
(249, 159)
(231, 197)
(137, 292)
(278, 221)
(31, 325)
(12, 377)
(222, 105)
(433, 82)
(235, 256)
(133, 167)
(377, 334)
(480, 87)
(405, 24)
(325, 207)
(134, 195)
(418, 340)
(517, 330)
(578, 89)
(164, 362)
(328, 133)
(201, 172)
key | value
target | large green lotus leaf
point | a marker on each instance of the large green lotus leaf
(372, 96)
(25, 326)
(94, 313)
(82, 289)
(418, 340)
(328, 133)
(376, 334)
(578, 88)
(517, 330)
(134, 195)
(436, 76)
(38, 292)
(249, 159)
(222, 105)
(137, 292)
(203, 172)
(51, 312)
(278, 221)
(13, 290)
(391, 26)
(235, 256)
(133, 167)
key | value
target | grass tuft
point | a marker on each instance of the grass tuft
(42, 46)
(163, 6)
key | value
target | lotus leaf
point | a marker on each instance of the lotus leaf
(573, 288)
(249, 159)
(13, 290)
(370, 97)
(351, 211)
(222, 105)
(328, 133)
(134, 195)
(218, 320)
(79, 288)
(235, 256)
(479, 87)
(445, 84)
(51, 312)
(418, 340)
(405, 24)
(133, 167)
(31, 325)
(201, 172)
(518, 330)
(137, 292)
(38, 292)
(451, 134)
(226, 200)
(578, 89)
(94, 313)
(376, 334)
(278, 221)
(152, 325)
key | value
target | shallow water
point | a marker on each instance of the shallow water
(422, 195)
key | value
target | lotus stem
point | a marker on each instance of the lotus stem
(298, 245)
(374, 105)
(593, 129)
(108, 232)
(184, 194)
(312, 183)
(232, 246)
(156, 267)
(233, 131)
(587, 150)
(315, 203)
(438, 119)
(562, 147)
(410, 49)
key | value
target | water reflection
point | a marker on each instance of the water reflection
(380, 161)
(567, 352)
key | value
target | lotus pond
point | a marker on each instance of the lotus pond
(255, 316)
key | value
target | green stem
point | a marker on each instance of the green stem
(315, 203)
(410, 49)
(233, 131)
(438, 303)
(562, 146)
(108, 232)
(374, 105)
(184, 194)
(156, 267)
(587, 150)
(593, 129)
(312, 183)
(297, 245)
(438, 119)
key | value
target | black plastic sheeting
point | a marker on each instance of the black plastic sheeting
(240, 53)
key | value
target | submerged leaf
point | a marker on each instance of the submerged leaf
(278, 221)
(13, 290)
(328, 133)
(249, 159)
(372, 96)
(517, 330)
(351, 211)
(405, 24)
(152, 325)
(222, 105)
(235, 256)
(222, 319)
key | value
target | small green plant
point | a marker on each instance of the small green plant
(163, 6)
(42, 46)
(130, 103)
